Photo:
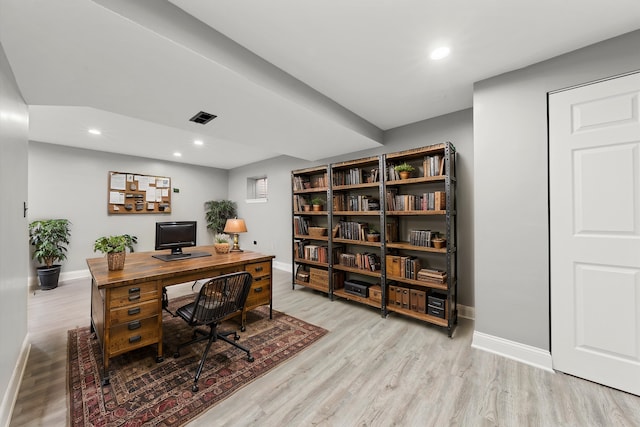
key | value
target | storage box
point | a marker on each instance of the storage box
(357, 287)
(435, 311)
(437, 301)
(393, 265)
(375, 293)
(418, 301)
(319, 277)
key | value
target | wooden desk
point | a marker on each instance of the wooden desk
(126, 305)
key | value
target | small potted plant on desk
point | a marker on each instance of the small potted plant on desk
(115, 247)
(221, 244)
(404, 170)
(49, 237)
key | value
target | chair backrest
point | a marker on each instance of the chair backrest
(221, 298)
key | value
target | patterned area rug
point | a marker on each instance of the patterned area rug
(143, 392)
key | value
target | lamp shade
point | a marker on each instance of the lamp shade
(235, 225)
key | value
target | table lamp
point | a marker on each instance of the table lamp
(235, 226)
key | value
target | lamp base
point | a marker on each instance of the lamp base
(236, 247)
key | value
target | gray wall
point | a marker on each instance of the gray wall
(71, 183)
(14, 132)
(511, 197)
(269, 224)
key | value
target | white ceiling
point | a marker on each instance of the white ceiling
(285, 77)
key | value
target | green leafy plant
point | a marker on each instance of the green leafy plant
(114, 244)
(373, 230)
(49, 237)
(217, 212)
(317, 201)
(404, 167)
(222, 238)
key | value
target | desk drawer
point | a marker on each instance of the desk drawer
(259, 269)
(136, 311)
(260, 292)
(134, 334)
(133, 294)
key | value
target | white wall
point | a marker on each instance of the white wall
(511, 196)
(269, 224)
(71, 183)
(14, 131)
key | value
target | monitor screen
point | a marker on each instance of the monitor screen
(175, 235)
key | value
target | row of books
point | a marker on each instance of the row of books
(300, 182)
(364, 261)
(421, 237)
(300, 225)
(433, 165)
(416, 202)
(403, 266)
(344, 202)
(352, 230)
(355, 176)
(299, 202)
(320, 253)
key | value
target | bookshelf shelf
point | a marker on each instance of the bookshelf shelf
(365, 194)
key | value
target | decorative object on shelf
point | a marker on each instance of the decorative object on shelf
(373, 235)
(235, 226)
(404, 169)
(317, 203)
(306, 208)
(438, 242)
(221, 243)
(217, 212)
(317, 231)
(115, 247)
(49, 238)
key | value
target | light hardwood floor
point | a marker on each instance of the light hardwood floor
(367, 371)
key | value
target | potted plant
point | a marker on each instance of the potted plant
(221, 243)
(373, 235)
(317, 203)
(217, 212)
(115, 247)
(404, 169)
(49, 238)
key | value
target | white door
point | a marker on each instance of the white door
(594, 189)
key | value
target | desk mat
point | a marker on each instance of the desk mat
(143, 392)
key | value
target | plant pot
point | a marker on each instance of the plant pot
(115, 260)
(404, 175)
(306, 185)
(438, 243)
(306, 208)
(48, 277)
(221, 248)
(317, 208)
(373, 237)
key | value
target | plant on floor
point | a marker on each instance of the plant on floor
(49, 238)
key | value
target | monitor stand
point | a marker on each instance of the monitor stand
(176, 256)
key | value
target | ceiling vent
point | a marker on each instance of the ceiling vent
(203, 118)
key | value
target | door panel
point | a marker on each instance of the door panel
(594, 202)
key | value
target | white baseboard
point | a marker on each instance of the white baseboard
(284, 266)
(11, 393)
(466, 312)
(513, 350)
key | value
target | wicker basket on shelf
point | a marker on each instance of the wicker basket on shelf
(317, 231)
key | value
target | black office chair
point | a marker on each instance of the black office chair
(219, 299)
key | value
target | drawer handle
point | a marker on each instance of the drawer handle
(134, 297)
(134, 325)
(258, 268)
(256, 290)
(134, 290)
(135, 339)
(133, 311)
(257, 279)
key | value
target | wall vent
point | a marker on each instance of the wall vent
(203, 118)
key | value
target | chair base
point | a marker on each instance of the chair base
(211, 336)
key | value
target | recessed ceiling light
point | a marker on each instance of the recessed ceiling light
(177, 154)
(198, 142)
(439, 53)
(95, 131)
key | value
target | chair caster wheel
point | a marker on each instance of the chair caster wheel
(195, 388)
(236, 337)
(250, 359)
(176, 355)
(243, 329)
